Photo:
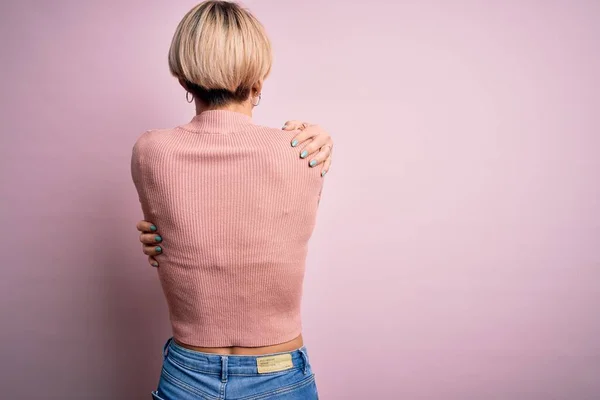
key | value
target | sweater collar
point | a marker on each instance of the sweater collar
(218, 121)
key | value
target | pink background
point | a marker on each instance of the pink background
(457, 253)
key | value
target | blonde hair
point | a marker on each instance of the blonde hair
(219, 51)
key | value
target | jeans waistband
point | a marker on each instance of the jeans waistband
(225, 364)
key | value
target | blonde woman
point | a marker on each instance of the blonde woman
(236, 209)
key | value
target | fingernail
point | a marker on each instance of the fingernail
(158, 239)
(155, 264)
(304, 154)
(158, 249)
(284, 126)
(323, 173)
(294, 143)
(313, 163)
(153, 228)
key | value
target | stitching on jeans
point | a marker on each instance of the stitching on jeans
(190, 368)
(282, 390)
(184, 386)
(285, 371)
(222, 390)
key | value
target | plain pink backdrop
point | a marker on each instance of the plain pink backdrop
(457, 253)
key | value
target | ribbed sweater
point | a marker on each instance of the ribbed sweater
(235, 206)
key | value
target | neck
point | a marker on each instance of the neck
(243, 108)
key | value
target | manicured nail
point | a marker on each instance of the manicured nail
(153, 228)
(304, 154)
(158, 249)
(323, 173)
(158, 239)
(294, 143)
(155, 264)
(312, 163)
(284, 126)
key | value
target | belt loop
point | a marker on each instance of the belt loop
(166, 347)
(224, 368)
(304, 360)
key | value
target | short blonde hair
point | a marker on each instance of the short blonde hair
(220, 48)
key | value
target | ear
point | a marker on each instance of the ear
(256, 88)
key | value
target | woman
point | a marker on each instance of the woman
(236, 211)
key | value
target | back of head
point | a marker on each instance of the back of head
(219, 52)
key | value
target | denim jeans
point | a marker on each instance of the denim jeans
(188, 374)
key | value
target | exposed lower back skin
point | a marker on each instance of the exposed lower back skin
(249, 351)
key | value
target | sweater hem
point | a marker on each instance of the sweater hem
(198, 342)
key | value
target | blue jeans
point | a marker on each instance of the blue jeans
(188, 374)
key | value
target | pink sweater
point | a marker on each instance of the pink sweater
(235, 206)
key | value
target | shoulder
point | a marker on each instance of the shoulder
(152, 136)
(276, 136)
(148, 139)
(276, 145)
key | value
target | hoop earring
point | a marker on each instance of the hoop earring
(187, 97)
(258, 102)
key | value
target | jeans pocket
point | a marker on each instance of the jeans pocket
(303, 387)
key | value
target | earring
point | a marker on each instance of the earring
(187, 97)
(258, 102)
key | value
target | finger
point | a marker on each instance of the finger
(292, 125)
(146, 227)
(312, 132)
(314, 147)
(150, 238)
(152, 250)
(306, 153)
(153, 261)
(319, 142)
(319, 157)
(326, 166)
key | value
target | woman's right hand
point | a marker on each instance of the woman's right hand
(150, 241)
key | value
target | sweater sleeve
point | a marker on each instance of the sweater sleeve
(137, 173)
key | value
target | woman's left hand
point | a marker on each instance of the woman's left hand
(320, 145)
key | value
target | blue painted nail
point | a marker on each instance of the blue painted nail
(158, 249)
(155, 264)
(312, 163)
(323, 173)
(294, 143)
(153, 228)
(158, 239)
(304, 154)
